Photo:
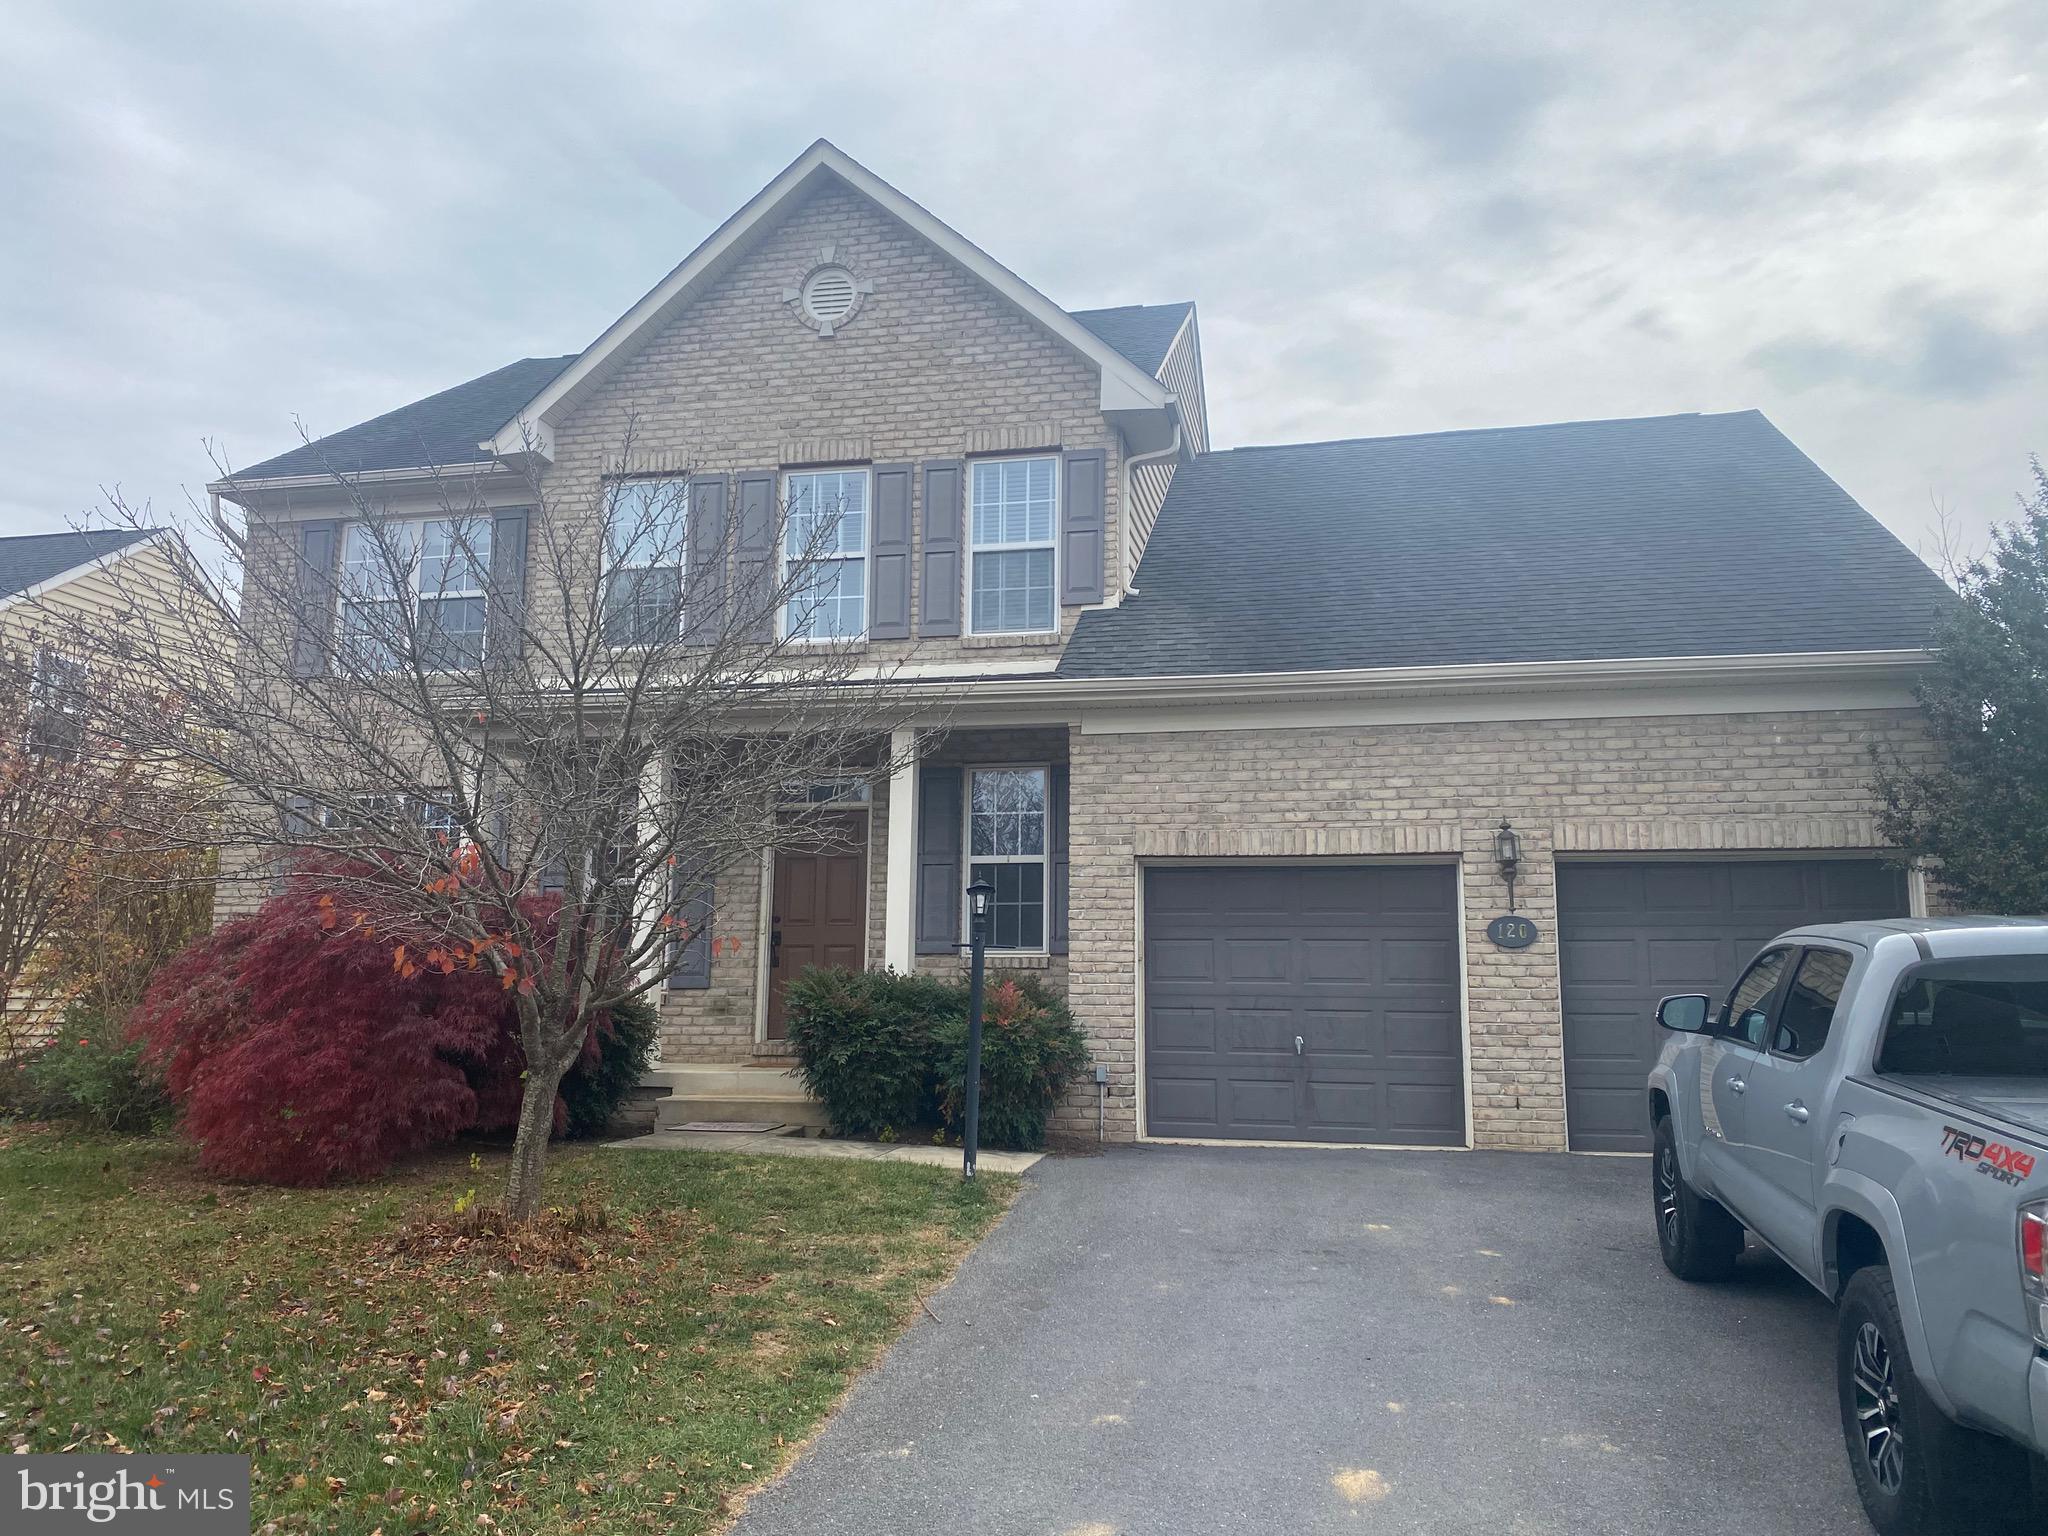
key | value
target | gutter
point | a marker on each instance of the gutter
(1463, 678)
(1171, 450)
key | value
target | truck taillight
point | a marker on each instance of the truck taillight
(2034, 1265)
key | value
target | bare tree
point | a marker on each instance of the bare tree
(514, 727)
(67, 788)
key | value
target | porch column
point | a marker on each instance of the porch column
(651, 899)
(899, 900)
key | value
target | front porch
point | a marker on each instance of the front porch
(888, 889)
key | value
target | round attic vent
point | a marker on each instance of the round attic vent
(829, 296)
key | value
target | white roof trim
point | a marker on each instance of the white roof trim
(1125, 386)
(85, 567)
(1476, 677)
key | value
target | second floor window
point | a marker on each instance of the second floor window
(643, 596)
(1013, 523)
(828, 527)
(426, 578)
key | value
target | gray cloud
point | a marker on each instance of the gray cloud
(1936, 348)
(1396, 217)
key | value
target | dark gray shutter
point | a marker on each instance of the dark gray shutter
(1056, 849)
(753, 576)
(319, 546)
(944, 511)
(690, 963)
(938, 860)
(1084, 535)
(299, 819)
(505, 620)
(704, 577)
(889, 546)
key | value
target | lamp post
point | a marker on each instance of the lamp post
(979, 895)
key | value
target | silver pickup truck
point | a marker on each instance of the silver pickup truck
(1871, 1101)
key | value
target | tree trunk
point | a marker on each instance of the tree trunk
(530, 1145)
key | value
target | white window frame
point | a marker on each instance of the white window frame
(680, 489)
(413, 529)
(866, 474)
(975, 547)
(968, 857)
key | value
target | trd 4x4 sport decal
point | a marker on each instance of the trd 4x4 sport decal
(2008, 1165)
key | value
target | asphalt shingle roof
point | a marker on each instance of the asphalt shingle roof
(440, 430)
(1661, 536)
(1142, 332)
(31, 558)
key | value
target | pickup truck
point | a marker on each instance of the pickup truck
(1870, 1101)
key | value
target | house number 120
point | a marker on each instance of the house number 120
(1511, 932)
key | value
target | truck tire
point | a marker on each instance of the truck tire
(1698, 1238)
(1917, 1471)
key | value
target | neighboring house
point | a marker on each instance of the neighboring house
(1241, 728)
(47, 579)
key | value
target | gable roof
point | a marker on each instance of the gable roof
(440, 431)
(445, 430)
(1665, 536)
(32, 559)
(1142, 332)
(1125, 388)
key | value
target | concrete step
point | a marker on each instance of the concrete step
(679, 1109)
(687, 1078)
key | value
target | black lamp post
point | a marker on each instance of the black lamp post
(979, 895)
(1507, 852)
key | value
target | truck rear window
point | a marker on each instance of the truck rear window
(1983, 1017)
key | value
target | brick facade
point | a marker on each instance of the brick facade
(1681, 783)
(934, 366)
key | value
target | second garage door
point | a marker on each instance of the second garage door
(1631, 933)
(1304, 1003)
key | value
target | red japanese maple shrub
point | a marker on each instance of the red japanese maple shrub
(300, 1054)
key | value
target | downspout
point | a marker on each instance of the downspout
(1171, 450)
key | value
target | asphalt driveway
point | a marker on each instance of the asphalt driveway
(1173, 1341)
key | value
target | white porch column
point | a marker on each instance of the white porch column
(653, 897)
(899, 900)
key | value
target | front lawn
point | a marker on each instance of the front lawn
(645, 1358)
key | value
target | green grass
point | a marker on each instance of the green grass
(387, 1372)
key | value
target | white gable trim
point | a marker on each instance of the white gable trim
(1125, 386)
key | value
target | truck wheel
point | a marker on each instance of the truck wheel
(1917, 1471)
(1699, 1240)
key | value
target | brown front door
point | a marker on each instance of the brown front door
(820, 912)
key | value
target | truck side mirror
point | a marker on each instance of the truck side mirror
(1686, 1013)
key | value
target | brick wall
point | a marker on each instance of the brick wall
(1680, 783)
(933, 366)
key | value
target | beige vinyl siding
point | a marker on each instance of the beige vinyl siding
(1181, 372)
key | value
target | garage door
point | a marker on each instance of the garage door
(1304, 1004)
(1629, 934)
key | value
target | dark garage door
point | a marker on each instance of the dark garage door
(1629, 934)
(1360, 963)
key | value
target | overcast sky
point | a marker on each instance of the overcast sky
(1395, 218)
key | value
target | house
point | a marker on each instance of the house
(1238, 733)
(48, 583)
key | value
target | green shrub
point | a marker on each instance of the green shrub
(865, 1044)
(1030, 1050)
(89, 1075)
(597, 1085)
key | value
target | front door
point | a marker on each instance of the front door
(819, 911)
